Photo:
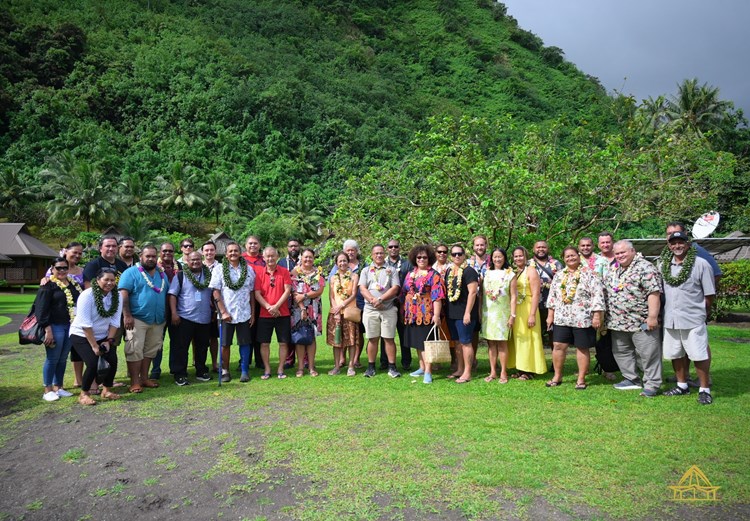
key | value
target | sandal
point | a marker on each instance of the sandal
(86, 400)
(313, 373)
(298, 374)
(280, 376)
(95, 391)
(135, 389)
(581, 386)
(489, 378)
(462, 380)
(334, 371)
(453, 376)
(109, 395)
(351, 372)
(150, 384)
(266, 376)
(503, 380)
(553, 383)
(526, 377)
(516, 375)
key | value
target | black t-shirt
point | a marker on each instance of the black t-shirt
(93, 267)
(51, 304)
(456, 309)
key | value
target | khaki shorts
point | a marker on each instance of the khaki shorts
(380, 323)
(143, 341)
(690, 342)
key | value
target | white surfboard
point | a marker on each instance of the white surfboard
(705, 225)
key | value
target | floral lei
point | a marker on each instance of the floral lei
(309, 279)
(453, 278)
(494, 293)
(412, 281)
(569, 291)
(148, 280)
(68, 294)
(227, 280)
(195, 282)
(374, 270)
(99, 301)
(341, 290)
(666, 267)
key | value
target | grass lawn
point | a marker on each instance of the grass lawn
(380, 448)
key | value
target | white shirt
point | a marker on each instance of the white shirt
(87, 316)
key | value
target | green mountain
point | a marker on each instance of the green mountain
(281, 98)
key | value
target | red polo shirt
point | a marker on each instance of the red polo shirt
(272, 295)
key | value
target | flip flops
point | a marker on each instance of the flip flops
(553, 383)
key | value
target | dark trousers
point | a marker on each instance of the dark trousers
(188, 331)
(546, 335)
(256, 344)
(82, 347)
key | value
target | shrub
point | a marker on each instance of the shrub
(734, 288)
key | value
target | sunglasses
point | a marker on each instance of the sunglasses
(393, 247)
(167, 251)
(457, 254)
(422, 257)
(61, 268)
(273, 282)
(188, 246)
(442, 252)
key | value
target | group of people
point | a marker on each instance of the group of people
(615, 299)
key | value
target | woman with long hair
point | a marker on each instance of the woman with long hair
(498, 312)
(55, 310)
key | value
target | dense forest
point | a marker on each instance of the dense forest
(307, 118)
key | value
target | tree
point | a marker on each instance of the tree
(697, 108)
(180, 189)
(304, 218)
(79, 191)
(221, 196)
(14, 194)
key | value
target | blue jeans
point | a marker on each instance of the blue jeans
(245, 353)
(57, 356)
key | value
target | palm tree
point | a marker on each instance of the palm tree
(652, 114)
(697, 107)
(79, 191)
(133, 194)
(221, 195)
(306, 218)
(14, 193)
(180, 189)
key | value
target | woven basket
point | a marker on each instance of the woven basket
(436, 351)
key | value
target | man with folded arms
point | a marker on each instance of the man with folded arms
(633, 292)
(143, 289)
(190, 303)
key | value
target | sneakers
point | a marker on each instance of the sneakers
(226, 377)
(649, 393)
(393, 373)
(627, 385)
(369, 373)
(418, 372)
(244, 378)
(62, 393)
(427, 378)
(50, 396)
(677, 391)
(704, 398)
(181, 381)
(203, 377)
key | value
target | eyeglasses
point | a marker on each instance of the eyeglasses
(61, 268)
(167, 251)
(421, 257)
(457, 254)
(442, 252)
(392, 247)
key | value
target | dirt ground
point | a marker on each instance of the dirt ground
(94, 464)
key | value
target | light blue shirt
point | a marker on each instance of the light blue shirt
(145, 304)
(193, 304)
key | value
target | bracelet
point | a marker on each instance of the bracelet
(512, 315)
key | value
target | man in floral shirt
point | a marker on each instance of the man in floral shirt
(632, 289)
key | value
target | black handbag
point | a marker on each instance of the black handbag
(30, 331)
(102, 368)
(303, 333)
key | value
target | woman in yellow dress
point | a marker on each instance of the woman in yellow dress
(526, 349)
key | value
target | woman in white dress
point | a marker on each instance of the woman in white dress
(498, 312)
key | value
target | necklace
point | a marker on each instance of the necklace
(148, 280)
(197, 283)
(375, 270)
(496, 288)
(227, 280)
(666, 267)
(569, 290)
(342, 286)
(99, 301)
(311, 279)
(453, 278)
(68, 295)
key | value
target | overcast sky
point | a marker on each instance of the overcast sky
(646, 47)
